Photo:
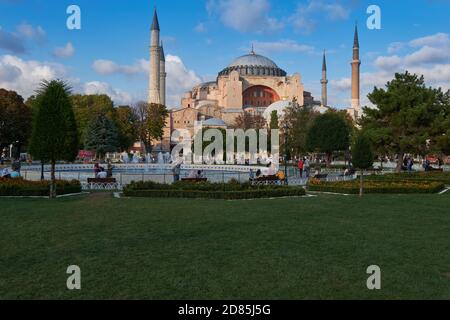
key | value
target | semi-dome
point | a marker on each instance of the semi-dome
(253, 65)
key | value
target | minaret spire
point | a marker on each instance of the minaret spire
(163, 76)
(154, 95)
(324, 81)
(356, 75)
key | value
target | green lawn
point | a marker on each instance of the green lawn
(299, 248)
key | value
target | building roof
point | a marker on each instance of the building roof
(214, 122)
(253, 64)
(253, 59)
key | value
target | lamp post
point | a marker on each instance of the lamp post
(286, 128)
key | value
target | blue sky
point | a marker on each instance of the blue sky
(110, 53)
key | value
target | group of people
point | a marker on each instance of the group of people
(304, 166)
(14, 173)
(101, 173)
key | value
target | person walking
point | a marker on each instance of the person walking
(307, 167)
(176, 172)
(301, 167)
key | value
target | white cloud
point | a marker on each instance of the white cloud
(200, 28)
(108, 67)
(24, 76)
(430, 58)
(245, 15)
(307, 16)
(35, 33)
(118, 96)
(438, 39)
(179, 80)
(284, 45)
(64, 52)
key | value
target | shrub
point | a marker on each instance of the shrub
(24, 188)
(394, 187)
(443, 177)
(208, 190)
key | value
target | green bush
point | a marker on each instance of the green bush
(232, 190)
(24, 188)
(380, 187)
(226, 195)
(443, 177)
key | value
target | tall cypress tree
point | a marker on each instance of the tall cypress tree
(54, 135)
(362, 156)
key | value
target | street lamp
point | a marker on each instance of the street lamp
(286, 128)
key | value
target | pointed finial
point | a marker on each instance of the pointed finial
(155, 23)
(253, 49)
(356, 38)
(324, 63)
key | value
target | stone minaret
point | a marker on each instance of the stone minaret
(356, 64)
(154, 95)
(163, 76)
(324, 82)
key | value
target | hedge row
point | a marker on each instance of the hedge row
(379, 187)
(24, 188)
(200, 186)
(443, 177)
(226, 195)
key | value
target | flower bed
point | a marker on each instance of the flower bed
(207, 190)
(25, 188)
(373, 186)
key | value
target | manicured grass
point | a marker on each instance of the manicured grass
(299, 248)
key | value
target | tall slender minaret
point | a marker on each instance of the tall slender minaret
(324, 82)
(155, 52)
(356, 64)
(163, 76)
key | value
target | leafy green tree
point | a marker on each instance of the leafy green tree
(88, 107)
(329, 132)
(362, 156)
(54, 135)
(274, 120)
(408, 117)
(15, 120)
(101, 136)
(126, 122)
(248, 120)
(299, 120)
(151, 120)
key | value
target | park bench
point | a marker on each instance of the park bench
(194, 180)
(266, 180)
(102, 184)
(321, 176)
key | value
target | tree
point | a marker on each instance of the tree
(362, 156)
(408, 117)
(274, 120)
(126, 123)
(247, 121)
(101, 136)
(329, 132)
(15, 120)
(88, 107)
(54, 134)
(151, 120)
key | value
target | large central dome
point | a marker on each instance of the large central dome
(253, 65)
(253, 60)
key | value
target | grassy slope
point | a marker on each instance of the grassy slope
(206, 249)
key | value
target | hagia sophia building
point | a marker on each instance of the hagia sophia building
(251, 83)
